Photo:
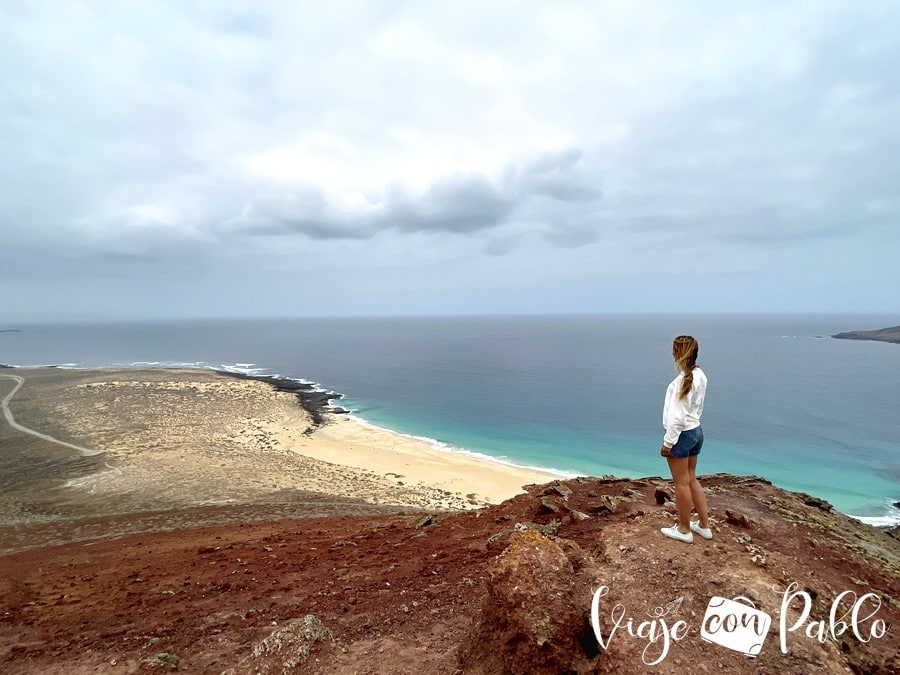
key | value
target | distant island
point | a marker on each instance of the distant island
(882, 335)
(10, 330)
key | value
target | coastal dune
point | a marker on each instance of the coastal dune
(183, 438)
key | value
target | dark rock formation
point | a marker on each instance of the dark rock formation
(314, 401)
(881, 335)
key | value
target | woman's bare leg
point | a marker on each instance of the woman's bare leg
(698, 496)
(683, 500)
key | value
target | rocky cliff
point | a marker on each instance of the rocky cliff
(506, 589)
(881, 335)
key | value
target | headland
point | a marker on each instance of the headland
(881, 335)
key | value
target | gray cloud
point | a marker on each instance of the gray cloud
(458, 203)
(461, 203)
(146, 141)
(553, 175)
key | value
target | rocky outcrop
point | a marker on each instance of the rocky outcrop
(881, 335)
(533, 617)
(287, 649)
(501, 590)
(316, 402)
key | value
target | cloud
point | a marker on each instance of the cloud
(460, 203)
(161, 137)
(553, 175)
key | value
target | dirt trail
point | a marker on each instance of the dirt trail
(7, 413)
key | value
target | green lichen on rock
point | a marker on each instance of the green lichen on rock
(298, 637)
(548, 530)
(497, 536)
(163, 660)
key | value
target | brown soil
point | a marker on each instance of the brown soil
(403, 593)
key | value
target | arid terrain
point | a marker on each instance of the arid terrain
(288, 578)
(504, 589)
(176, 440)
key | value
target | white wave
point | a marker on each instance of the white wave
(61, 366)
(446, 447)
(315, 385)
(248, 370)
(164, 364)
(879, 521)
(242, 368)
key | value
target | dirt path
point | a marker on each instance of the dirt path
(84, 452)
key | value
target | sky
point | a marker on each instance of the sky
(187, 159)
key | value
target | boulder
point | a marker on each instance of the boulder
(738, 519)
(535, 617)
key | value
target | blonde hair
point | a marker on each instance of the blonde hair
(685, 350)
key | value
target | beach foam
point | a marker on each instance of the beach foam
(446, 447)
(879, 521)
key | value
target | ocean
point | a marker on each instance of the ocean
(580, 395)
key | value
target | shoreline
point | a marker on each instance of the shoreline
(422, 450)
(442, 446)
(182, 438)
(315, 399)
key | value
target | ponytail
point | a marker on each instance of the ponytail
(686, 350)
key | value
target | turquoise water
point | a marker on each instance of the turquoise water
(577, 394)
(856, 486)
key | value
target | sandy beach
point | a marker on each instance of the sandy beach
(215, 529)
(171, 439)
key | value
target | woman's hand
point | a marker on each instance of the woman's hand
(665, 452)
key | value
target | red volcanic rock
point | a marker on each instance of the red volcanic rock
(506, 589)
(738, 519)
(533, 617)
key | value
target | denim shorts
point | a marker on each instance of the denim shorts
(689, 444)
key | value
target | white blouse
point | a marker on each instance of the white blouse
(683, 414)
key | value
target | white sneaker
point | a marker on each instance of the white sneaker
(704, 532)
(674, 533)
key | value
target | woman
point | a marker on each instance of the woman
(683, 440)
